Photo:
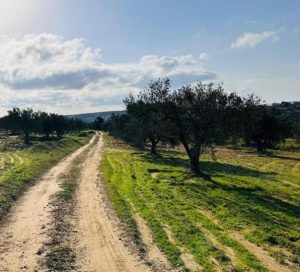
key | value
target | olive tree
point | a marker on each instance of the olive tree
(148, 112)
(203, 114)
(23, 119)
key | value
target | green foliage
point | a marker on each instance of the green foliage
(262, 126)
(289, 114)
(22, 119)
(204, 114)
(198, 116)
(98, 123)
(27, 121)
(148, 114)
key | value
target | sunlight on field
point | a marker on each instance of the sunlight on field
(8, 160)
(253, 200)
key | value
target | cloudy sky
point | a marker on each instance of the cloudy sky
(75, 56)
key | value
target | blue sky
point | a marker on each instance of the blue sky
(74, 56)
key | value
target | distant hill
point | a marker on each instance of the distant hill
(90, 117)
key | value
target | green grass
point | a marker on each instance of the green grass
(29, 164)
(290, 145)
(257, 196)
(68, 183)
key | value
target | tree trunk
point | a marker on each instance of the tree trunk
(47, 135)
(26, 139)
(153, 147)
(59, 134)
(260, 147)
(194, 161)
(194, 155)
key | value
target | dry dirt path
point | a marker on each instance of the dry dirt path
(100, 244)
(25, 230)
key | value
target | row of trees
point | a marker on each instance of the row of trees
(27, 121)
(195, 116)
(289, 114)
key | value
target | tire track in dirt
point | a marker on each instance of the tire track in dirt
(25, 230)
(261, 254)
(154, 254)
(101, 246)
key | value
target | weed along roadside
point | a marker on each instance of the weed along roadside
(220, 223)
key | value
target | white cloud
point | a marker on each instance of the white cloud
(250, 39)
(203, 56)
(48, 71)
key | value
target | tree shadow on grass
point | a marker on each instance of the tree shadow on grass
(165, 160)
(247, 198)
(274, 156)
(267, 154)
(254, 204)
(208, 167)
(260, 196)
(34, 138)
(218, 168)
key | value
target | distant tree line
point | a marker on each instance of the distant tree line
(289, 114)
(196, 116)
(27, 121)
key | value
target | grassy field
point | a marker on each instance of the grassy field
(20, 166)
(247, 213)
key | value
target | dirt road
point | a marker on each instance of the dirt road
(25, 230)
(100, 245)
(98, 232)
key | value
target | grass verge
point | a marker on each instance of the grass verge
(32, 163)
